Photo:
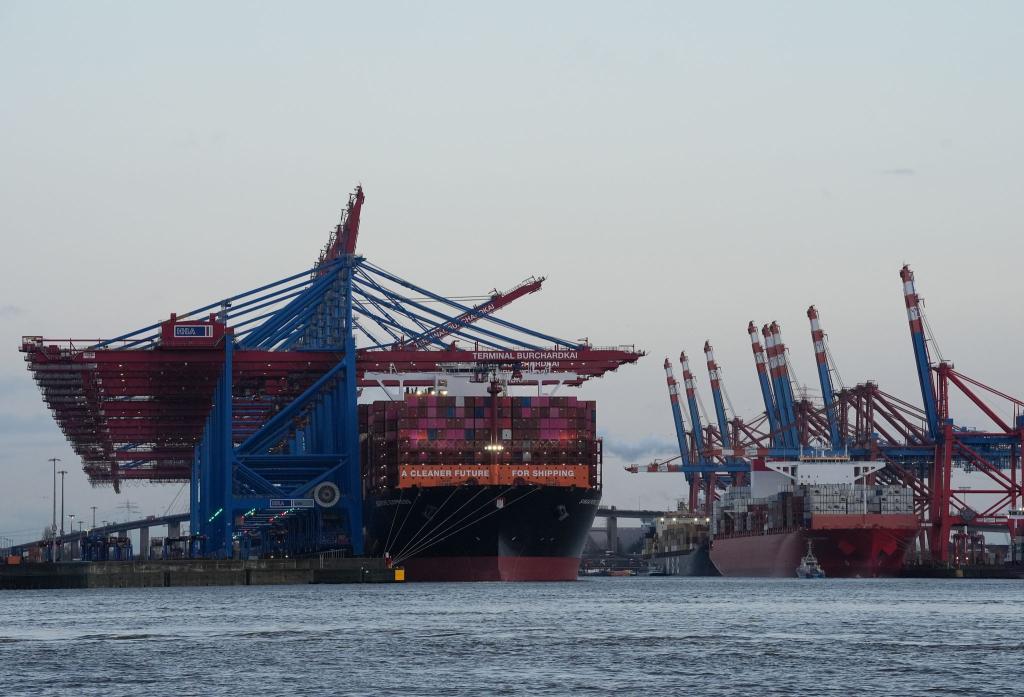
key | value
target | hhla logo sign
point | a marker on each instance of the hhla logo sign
(193, 331)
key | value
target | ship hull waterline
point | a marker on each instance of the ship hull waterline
(845, 546)
(690, 562)
(483, 533)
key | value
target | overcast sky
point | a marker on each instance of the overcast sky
(675, 169)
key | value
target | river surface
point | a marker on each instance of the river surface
(611, 636)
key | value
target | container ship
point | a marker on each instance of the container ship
(677, 544)
(480, 488)
(854, 528)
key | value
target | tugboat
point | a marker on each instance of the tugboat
(809, 567)
(654, 569)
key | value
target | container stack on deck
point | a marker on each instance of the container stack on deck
(852, 498)
(737, 512)
(442, 430)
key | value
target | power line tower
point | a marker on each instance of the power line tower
(129, 509)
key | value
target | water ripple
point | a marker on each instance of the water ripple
(635, 636)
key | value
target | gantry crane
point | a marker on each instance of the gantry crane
(920, 445)
(252, 399)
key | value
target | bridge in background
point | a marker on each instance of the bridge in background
(70, 543)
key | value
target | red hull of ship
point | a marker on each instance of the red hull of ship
(846, 546)
(496, 568)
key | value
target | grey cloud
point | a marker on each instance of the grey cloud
(15, 382)
(635, 449)
(19, 426)
(899, 171)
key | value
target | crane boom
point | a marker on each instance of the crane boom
(715, 375)
(770, 407)
(346, 233)
(779, 371)
(691, 400)
(677, 413)
(825, 377)
(697, 426)
(490, 306)
(921, 357)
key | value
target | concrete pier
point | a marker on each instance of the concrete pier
(1005, 571)
(612, 528)
(197, 572)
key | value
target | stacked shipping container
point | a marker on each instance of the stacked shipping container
(737, 512)
(546, 437)
(856, 498)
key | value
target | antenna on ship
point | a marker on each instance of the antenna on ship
(494, 389)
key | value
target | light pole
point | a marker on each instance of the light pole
(62, 473)
(71, 531)
(53, 520)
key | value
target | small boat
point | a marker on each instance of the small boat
(654, 570)
(809, 567)
(622, 572)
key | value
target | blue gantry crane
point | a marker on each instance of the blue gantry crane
(253, 399)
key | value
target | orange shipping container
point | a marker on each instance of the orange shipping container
(453, 475)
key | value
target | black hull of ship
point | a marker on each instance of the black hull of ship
(483, 533)
(692, 562)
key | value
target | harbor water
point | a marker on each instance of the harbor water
(602, 636)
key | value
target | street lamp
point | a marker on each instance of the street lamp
(62, 473)
(71, 531)
(53, 520)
